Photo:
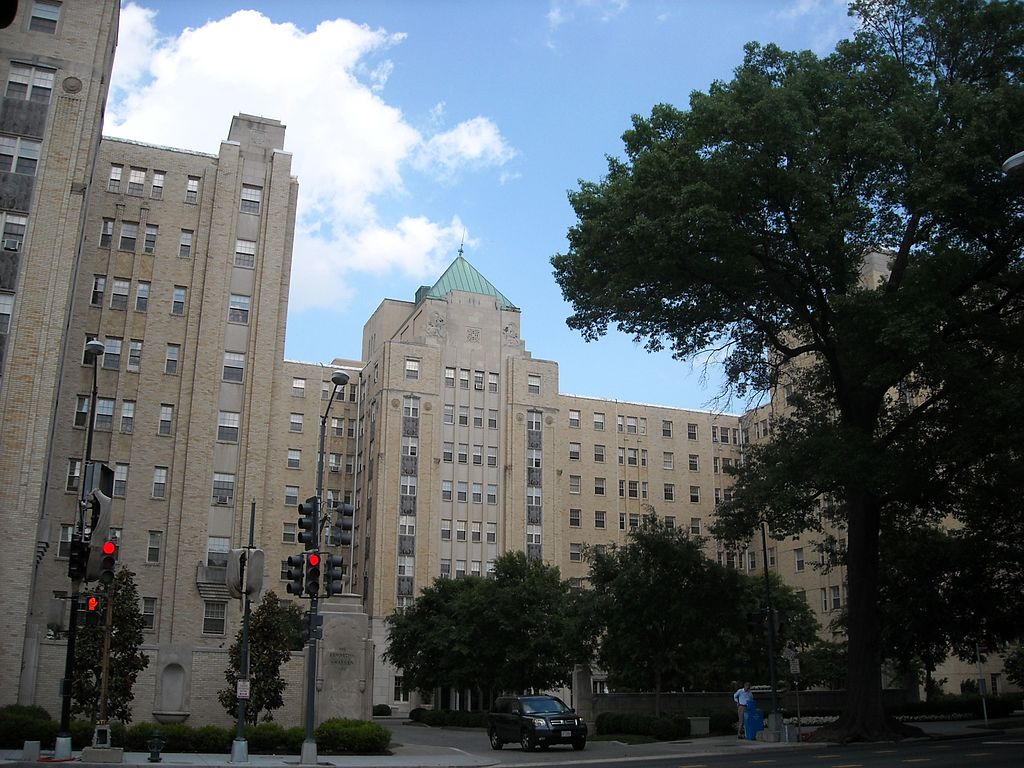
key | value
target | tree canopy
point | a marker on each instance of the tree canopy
(522, 629)
(671, 619)
(843, 222)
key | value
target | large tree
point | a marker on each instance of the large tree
(524, 628)
(745, 223)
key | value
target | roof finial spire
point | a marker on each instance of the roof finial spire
(463, 241)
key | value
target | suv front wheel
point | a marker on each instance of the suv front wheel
(496, 743)
(579, 744)
(526, 741)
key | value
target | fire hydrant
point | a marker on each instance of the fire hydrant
(155, 744)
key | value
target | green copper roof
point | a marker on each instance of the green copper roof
(462, 276)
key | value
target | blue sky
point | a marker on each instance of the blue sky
(415, 123)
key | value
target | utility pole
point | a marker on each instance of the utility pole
(770, 615)
(240, 746)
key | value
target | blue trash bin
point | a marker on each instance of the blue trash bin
(753, 721)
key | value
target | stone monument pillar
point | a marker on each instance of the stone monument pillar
(345, 669)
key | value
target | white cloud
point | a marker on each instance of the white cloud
(472, 143)
(350, 147)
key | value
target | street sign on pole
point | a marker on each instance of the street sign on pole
(794, 666)
(242, 689)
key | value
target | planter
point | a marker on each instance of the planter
(699, 726)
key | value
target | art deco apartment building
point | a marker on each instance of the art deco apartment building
(469, 450)
(55, 62)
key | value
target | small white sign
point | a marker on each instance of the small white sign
(794, 666)
(242, 689)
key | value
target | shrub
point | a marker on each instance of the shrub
(682, 724)
(81, 734)
(662, 728)
(137, 736)
(416, 714)
(354, 736)
(606, 722)
(267, 739)
(212, 739)
(19, 724)
(177, 737)
(722, 722)
(381, 710)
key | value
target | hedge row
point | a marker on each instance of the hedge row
(21, 724)
(664, 728)
(444, 717)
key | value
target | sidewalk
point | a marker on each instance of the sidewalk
(469, 749)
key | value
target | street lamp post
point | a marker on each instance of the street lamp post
(309, 756)
(93, 349)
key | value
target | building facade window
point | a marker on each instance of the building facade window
(171, 355)
(214, 617)
(149, 242)
(185, 243)
(449, 377)
(166, 422)
(142, 296)
(159, 482)
(238, 309)
(533, 384)
(234, 366)
(298, 387)
(694, 494)
(691, 431)
(45, 16)
(575, 483)
(154, 546)
(119, 293)
(294, 458)
(114, 179)
(128, 416)
(19, 155)
(252, 198)
(29, 83)
(178, 295)
(99, 285)
(295, 422)
(228, 425)
(129, 236)
(245, 253)
(156, 189)
(192, 189)
(223, 488)
(412, 368)
(136, 181)
(599, 518)
(669, 492)
(74, 476)
(149, 613)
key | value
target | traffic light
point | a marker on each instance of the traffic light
(245, 571)
(78, 560)
(309, 522)
(296, 566)
(312, 626)
(92, 607)
(100, 531)
(108, 561)
(313, 574)
(341, 531)
(333, 575)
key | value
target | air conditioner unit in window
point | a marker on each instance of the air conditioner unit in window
(335, 469)
(223, 500)
(10, 244)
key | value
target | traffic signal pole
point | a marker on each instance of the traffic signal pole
(309, 753)
(62, 748)
(240, 746)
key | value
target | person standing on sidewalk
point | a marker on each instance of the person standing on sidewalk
(743, 698)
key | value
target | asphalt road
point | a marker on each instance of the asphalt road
(1002, 751)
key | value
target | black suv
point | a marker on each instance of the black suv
(535, 721)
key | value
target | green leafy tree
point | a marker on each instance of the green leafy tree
(744, 223)
(275, 628)
(523, 629)
(670, 618)
(797, 628)
(823, 665)
(126, 657)
(1013, 664)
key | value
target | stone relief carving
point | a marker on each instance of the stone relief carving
(436, 326)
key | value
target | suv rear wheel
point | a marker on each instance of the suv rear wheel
(496, 743)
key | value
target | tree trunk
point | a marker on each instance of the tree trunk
(863, 718)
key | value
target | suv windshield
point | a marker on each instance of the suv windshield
(541, 704)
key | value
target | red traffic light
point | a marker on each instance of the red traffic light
(92, 603)
(109, 547)
(314, 559)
